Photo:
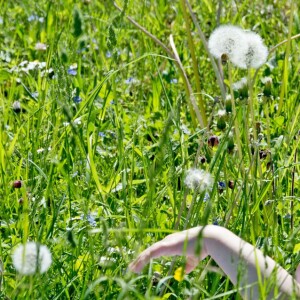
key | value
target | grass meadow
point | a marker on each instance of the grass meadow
(105, 107)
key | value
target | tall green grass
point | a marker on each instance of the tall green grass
(121, 154)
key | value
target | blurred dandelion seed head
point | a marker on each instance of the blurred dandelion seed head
(226, 39)
(253, 55)
(31, 258)
(245, 49)
(198, 180)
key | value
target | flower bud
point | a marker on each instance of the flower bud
(231, 184)
(213, 141)
(17, 184)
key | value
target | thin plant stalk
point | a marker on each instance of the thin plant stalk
(190, 211)
(251, 105)
(189, 87)
(284, 85)
(236, 124)
(185, 227)
(296, 36)
(220, 6)
(194, 61)
(183, 204)
(192, 104)
(293, 191)
(252, 108)
(212, 60)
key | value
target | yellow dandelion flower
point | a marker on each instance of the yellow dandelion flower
(179, 274)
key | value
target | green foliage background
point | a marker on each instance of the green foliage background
(120, 155)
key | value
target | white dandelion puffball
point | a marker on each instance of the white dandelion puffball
(253, 55)
(198, 180)
(31, 258)
(226, 39)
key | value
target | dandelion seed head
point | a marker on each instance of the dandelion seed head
(198, 180)
(31, 258)
(226, 39)
(253, 55)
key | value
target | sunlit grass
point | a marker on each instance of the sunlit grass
(106, 133)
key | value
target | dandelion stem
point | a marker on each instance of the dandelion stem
(251, 105)
(236, 124)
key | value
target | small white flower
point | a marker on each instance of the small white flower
(105, 261)
(253, 55)
(73, 66)
(226, 39)
(31, 258)
(43, 202)
(240, 84)
(40, 150)
(32, 65)
(77, 121)
(40, 47)
(117, 188)
(42, 65)
(198, 179)
(267, 80)
(23, 63)
(222, 112)
(16, 106)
